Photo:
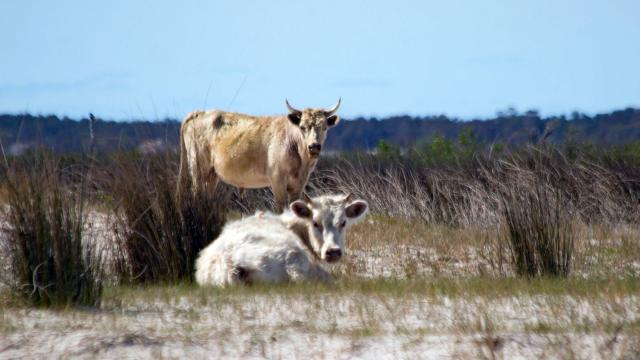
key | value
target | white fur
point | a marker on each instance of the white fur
(266, 247)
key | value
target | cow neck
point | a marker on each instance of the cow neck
(302, 230)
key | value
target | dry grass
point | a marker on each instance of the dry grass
(49, 260)
(430, 271)
(532, 200)
(407, 288)
(539, 229)
(158, 232)
(486, 197)
(468, 194)
(397, 248)
(436, 220)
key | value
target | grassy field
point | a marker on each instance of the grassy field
(480, 317)
(430, 273)
(429, 294)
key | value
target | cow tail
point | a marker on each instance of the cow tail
(182, 171)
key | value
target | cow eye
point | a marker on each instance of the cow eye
(316, 225)
(343, 223)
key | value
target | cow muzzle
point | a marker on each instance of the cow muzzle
(333, 255)
(314, 149)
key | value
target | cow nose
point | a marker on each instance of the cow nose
(315, 147)
(333, 255)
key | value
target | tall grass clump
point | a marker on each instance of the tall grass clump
(539, 230)
(50, 261)
(159, 234)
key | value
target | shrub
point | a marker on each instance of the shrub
(159, 234)
(387, 150)
(50, 262)
(539, 231)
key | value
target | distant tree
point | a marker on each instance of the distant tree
(442, 149)
(386, 149)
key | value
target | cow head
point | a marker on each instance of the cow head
(313, 124)
(327, 219)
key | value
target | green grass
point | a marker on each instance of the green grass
(478, 286)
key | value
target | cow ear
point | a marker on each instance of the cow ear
(301, 209)
(294, 118)
(356, 209)
(333, 120)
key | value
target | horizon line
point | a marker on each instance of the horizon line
(508, 110)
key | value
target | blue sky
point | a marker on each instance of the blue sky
(152, 59)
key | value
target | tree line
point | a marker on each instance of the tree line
(19, 132)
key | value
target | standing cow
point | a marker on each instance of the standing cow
(254, 151)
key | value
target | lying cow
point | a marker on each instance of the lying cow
(254, 152)
(274, 248)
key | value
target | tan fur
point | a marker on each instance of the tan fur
(251, 152)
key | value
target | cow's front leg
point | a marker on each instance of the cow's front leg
(279, 188)
(295, 193)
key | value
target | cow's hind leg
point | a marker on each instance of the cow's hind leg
(242, 275)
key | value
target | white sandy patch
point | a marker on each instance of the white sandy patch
(332, 327)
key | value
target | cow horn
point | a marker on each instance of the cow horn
(306, 198)
(334, 109)
(291, 108)
(348, 197)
